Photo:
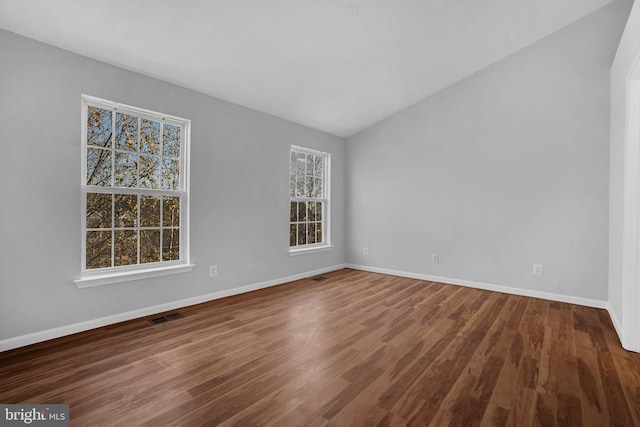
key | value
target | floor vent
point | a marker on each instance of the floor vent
(174, 316)
(318, 278)
(164, 319)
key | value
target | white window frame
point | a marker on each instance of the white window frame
(116, 274)
(325, 199)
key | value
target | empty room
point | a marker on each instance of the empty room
(320, 213)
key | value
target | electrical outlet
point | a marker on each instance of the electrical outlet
(435, 258)
(537, 269)
(366, 251)
(213, 271)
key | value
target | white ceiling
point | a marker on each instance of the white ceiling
(313, 62)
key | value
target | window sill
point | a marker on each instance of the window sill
(294, 252)
(90, 280)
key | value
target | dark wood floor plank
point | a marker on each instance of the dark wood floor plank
(594, 403)
(626, 371)
(354, 349)
(569, 411)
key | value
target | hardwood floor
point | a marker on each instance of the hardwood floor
(353, 349)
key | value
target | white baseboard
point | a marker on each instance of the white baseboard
(616, 322)
(630, 346)
(487, 286)
(24, 340)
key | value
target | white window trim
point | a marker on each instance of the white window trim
(310, 250)
(326, 245)
(90, 280)
(109, 275)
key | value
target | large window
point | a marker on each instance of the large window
(309, 199)
(134, 191)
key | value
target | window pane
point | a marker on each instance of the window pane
(170, 244)
(300, 182)
(317, 188)
(294, 212)
(171, 211)
(292, 163)
(149, 136)
(99, 167)
(312, 211)
(302, 234)
(292, 185)
(318, 168)
(98, 127)
(319, 237)
(149, 211)
(310, 164)
(171, 140)
(149, 246)
(171, 174)
(302, 211)
(311, 233)
(319, 211)
(126, 170)
(310, 187)
(126, 132)
(126, 247)
(292, 234)
(301, 166)
(126, 210)
(149, 172)
(98, 210)
(98, 249)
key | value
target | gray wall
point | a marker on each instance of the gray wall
(502, 170)
(239, 184)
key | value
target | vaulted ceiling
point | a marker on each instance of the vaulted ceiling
(333, 65)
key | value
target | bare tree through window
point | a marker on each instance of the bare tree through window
(308, 196)
(133, 188)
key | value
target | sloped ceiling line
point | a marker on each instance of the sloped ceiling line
(334, 65)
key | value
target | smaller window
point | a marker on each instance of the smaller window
(308, 199)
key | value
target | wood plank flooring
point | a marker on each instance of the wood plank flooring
(354, 349)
